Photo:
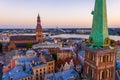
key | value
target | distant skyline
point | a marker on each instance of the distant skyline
(54, 13)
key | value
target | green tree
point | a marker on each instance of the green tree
(29, 45)
(112, 42)
(54, 55)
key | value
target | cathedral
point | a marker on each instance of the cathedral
(99, 61)
(20, 41)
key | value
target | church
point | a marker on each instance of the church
(99, 61)
(21, 41)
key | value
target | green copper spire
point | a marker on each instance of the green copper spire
(99, 35)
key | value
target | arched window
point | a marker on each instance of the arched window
(90, 72)
(103, 75)
(104, 59)
(107, 58)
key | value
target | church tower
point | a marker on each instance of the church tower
(99, 61)
(39, 36)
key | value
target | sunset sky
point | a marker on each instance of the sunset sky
(54, 13)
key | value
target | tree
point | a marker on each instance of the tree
(112, 42)
(54, 55)
(29, 45)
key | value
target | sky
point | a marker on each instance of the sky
(54, 13)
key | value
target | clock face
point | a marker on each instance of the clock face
(90, 40)
(107, 41)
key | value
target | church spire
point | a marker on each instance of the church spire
(39, 30)
(99, 35)
(38, 20)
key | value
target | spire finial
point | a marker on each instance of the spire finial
(38, 14)
(38, 20)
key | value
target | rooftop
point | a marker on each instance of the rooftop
(45, 45)
(81, 53)
(100, 50)
(65, 75)
(22, 37)
(18, 70)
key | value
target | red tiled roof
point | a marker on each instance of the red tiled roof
(61, 62)
(76, 62)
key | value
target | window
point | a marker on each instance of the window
(44, 72)
(40, 73)
(104, 58)
(103, 75)
(36, 70)
(40, 69)
(52, 67)
(90, 72)
(36, 78)
(44, 68)
(50, 64)
(37, 75)
(52, 70)
(107, 58)
(49, 72)
(40, 77)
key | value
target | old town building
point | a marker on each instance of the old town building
(30, 65)
(65, 52)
